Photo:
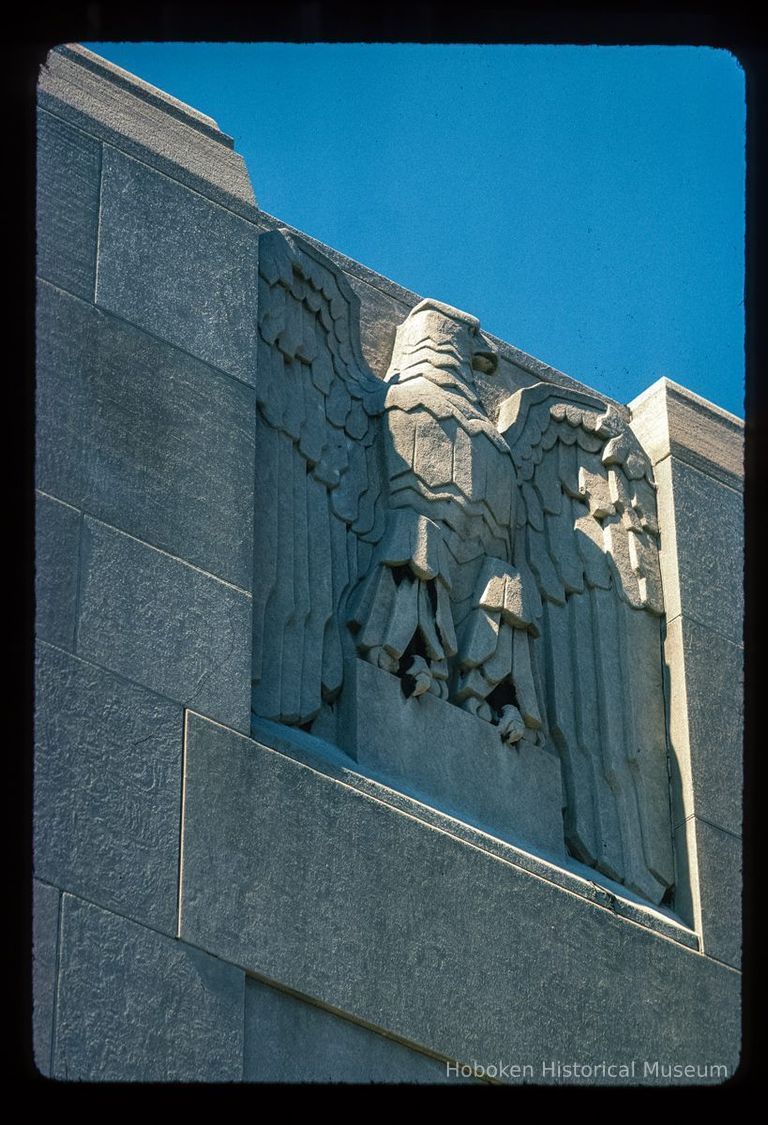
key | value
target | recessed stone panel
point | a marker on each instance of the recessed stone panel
(300, 879)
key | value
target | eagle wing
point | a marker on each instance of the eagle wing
(318, 511)
(587, 544)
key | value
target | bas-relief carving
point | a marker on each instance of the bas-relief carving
(507, 565)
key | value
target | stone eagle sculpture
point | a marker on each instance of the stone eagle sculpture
(508, 566)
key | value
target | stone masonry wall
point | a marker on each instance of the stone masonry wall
(208, 907)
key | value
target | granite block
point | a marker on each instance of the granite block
(140, 435)
(165, 624)
(706, 722)
(93, 101)
(177, 265)
(45, 937)
(670, 419)
(718, 887)
(303, 880)
(135, 1005)
(57, 545)
(107, 789)
(288, 1040)
(68, 172)
(514, 792)
(702, 536)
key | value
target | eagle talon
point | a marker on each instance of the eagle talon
(511, 725)
(381, 659)
(417, 678)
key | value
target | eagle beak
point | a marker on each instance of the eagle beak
(485, 361)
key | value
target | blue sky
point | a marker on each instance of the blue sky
(587, 203)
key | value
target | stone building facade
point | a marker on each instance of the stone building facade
(389, 872)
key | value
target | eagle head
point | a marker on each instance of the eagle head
(442, 343)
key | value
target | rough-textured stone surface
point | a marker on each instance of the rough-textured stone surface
(513, 791)
(702, 562)
(707, 721)
(718, 857)
(342, 898)
(140, 435)
(45, 932)
(380, 314)
(669, 418)
(507, 379)
(57, 544)
(568, 873)
(107, 789)
(68, 168)
(93, 101)
(137, 1006)
(190, 116)
(178, 265)
(288, 1040)
(164, 624)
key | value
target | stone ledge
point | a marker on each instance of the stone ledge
(289, 1040)
(563, 872)
(147, 129)
(298, 877)
(141, 89)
